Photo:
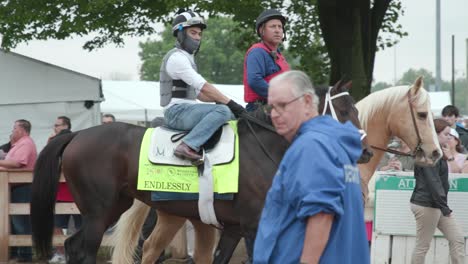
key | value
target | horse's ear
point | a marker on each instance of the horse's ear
(348, 85)
(337, 84)
(418, 84)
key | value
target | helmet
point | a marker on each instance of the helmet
(187, 19)
(267, 15)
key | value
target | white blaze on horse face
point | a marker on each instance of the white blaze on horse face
(421, 107)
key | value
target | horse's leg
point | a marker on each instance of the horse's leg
(204, 242)
(163, 233)
(227, 244)
(98, 215)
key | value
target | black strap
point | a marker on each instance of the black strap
(179, 94)
(178, 136)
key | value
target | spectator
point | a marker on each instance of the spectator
(4, 149)
(453, 150)
(450, 114)
(62, 126)
(392, 162)
(430, 208)
(108, 118)
(264, 60)
(313, 211)
(22, 155)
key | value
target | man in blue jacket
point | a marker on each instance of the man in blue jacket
(314, 210)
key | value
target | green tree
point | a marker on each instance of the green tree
(219, 61)
(411, 75)
(380, 86)
(350, 31)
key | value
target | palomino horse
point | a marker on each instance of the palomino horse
(404, 112)
(100, 165)
(382, 114)
(336, 102)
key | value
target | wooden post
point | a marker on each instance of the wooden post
(4, 216)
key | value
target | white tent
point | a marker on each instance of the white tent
(139, 100)
(438, 101)
(40, 92)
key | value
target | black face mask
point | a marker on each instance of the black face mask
(187, 43)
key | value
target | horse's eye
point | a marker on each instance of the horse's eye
(422, 115)
(344, 113)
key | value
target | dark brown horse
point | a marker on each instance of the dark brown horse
(100, 165)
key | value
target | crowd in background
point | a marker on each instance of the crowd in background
(21, 153)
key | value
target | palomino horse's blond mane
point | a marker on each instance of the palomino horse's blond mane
(386, 113)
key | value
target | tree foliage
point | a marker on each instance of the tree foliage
(330, 38)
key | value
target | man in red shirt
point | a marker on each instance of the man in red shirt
(22, 155)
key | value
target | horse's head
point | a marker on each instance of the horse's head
(340, 105)
(412, 121)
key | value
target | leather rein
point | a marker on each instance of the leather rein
(418, 146)
(328, 102)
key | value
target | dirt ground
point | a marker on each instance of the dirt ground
(239, 257)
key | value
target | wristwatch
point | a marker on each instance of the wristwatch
(451, 159)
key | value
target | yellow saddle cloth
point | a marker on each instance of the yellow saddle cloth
(184, 179)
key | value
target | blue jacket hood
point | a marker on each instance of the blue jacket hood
(346, 133)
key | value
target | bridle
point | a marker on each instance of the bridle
(328, 104)
(418, 146)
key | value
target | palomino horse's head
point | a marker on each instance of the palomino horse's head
(340, 105)
(411, 119)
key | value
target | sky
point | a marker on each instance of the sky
(417, 50)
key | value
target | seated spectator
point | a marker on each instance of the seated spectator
(456, 160)
(22, 155)
(108, 118)
(451, 114)
(62, 126)
(392, 162)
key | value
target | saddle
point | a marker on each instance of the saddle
(220, 147)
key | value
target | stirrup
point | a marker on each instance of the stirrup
(200, 161)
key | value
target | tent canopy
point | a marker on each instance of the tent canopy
(40, 92)
(32, 81)
(139, 100)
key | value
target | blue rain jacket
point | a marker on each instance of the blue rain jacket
(317, 174)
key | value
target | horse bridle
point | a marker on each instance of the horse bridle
(418, 147)
(328, 102)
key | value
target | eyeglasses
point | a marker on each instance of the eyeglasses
(57, 125)
(280, 107)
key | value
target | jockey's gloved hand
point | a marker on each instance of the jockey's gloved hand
(236, 108)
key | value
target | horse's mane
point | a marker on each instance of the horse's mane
(321, 90)
(378, 101)
(261, 114)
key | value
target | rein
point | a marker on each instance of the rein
(418, 146)
(248, 118)
(328, 103)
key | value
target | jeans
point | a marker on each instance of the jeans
(21, 224)
(62, 221)
(427, 220)
(201, 119)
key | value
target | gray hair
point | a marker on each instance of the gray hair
(301, 84)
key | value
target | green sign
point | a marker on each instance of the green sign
(407, 183)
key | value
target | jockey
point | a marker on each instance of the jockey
(181, 85)
(263, 60)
